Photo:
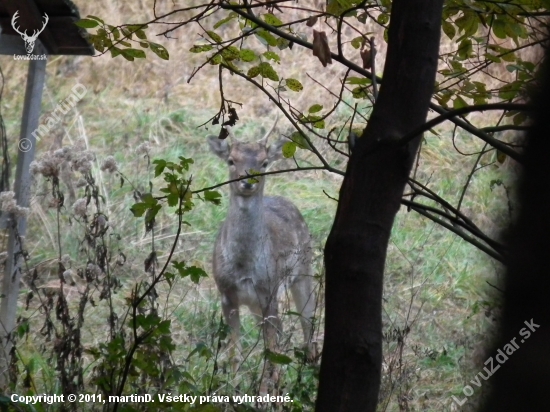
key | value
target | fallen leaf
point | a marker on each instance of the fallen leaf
(311, 21)
(320, 47)
(365, 56)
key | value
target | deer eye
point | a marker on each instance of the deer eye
(265, 163)
(230, 162)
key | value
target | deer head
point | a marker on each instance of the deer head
(29, 40)
(247, 159)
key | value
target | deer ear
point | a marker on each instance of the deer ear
(219, 147)
(275, 149)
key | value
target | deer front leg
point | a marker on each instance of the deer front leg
(304, 299)
(230, 309)
(271, 325)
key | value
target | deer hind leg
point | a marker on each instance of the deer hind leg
(304, 299)
(230, 309)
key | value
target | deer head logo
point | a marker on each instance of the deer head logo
(29, 40)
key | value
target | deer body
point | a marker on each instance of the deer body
(263, 243)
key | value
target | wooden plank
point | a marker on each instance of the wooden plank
(12, 44)
(18, 226)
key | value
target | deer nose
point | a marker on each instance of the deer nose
(247, 185)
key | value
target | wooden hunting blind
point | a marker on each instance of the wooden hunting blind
(30, 30)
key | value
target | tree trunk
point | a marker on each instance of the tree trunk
(522, 380)
(377, 172)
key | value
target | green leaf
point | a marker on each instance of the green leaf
(267, 71)
(277, 358)
(160, 166)
(164, 326)
(459, 103)
(272, 56)
(152, 213)
(185, 162)
(383, 18)
(492, 58)
(95, 18)
(480, 99)
(467, 23)
(135, 27)
(127, 32)
(499, 28)
(115, 51)
(214, 36)
(465, 49)
(87, 23)
(146, 321)
(359, 92)
(266, 38)
(141, 34)
(509, 57)
(443, 97)
(221, 22)
(320, 124)
(300, 140)
(231, 53)
(212, 196)
(457, 67)
(138, 209)
(289, 148)
(337, 7)
(204, 351)
(247, 55)
(173, 199)
(315, 108)
(135, 53)
(100, 42)
(357, 42)
(116, 33)
(294, 85)
(358, 80)
(519, 118)
(449, 29)
(272, 19)
(216, 59)
(23, 329)
(253, 72)
(509, 91)
(199, 48)
(282, 43)
(316, 121)
(159, 50)
(193, 272)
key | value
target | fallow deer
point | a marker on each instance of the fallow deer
(264, 243)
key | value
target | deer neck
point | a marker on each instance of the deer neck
(245, 222)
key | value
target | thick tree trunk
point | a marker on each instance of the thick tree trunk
(355, 251)
(522, 380)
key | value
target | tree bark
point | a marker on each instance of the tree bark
(370, 195)
(521, 381)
